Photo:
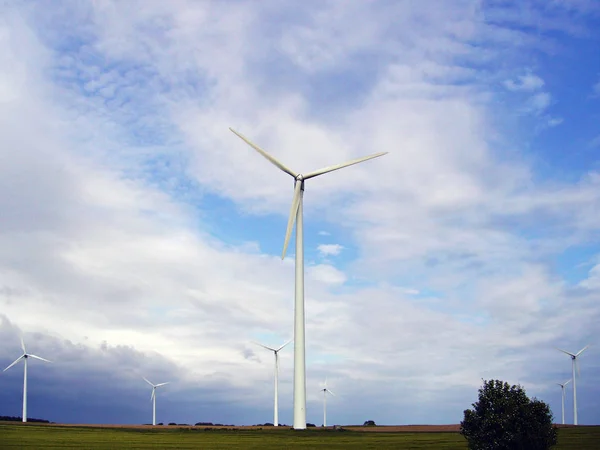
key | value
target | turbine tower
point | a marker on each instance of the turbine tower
(325, 391)
(296, 216)
(276, 406)
(562, 387)
(574, 363)
(25, 356)
(153, 398)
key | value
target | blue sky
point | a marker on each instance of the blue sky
(140, 237)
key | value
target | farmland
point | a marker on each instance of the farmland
(34, 436)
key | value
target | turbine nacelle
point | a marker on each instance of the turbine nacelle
(300, 178)
(324, 389)
(562, 385)
(275, 350)
(25, 355)
(154, 386)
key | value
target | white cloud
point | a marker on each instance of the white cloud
(326, 273)
(528, 82)
(411, 291)
(592, 282)
(330, 249)
(555, 121)
(539, 102)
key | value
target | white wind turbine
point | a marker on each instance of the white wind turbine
(153, 398)
(325, 391)
(562, 387)
(25, 356)
(574, 363)
(296, 216)
(276, 406)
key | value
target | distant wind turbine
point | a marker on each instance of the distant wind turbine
(574, 363)
(296, 216)
(153, 398)
(25, 356)
(325, 391)
(562, 387)
(276, 406)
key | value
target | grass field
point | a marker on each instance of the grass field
(34, 436)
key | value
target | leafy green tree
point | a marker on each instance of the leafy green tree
(504, 418)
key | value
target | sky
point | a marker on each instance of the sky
(141, 238)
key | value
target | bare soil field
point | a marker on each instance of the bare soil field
(408, 428)
(451, 428)
(379, 429)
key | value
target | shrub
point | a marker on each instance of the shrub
(505, 418)
(369, 423)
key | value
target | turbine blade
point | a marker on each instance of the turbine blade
(285, 344)
(582, 350)
(578, 369)
(148, 381)
(265, 154)
(152, 395)
(341, 166)
(330, 392)
(568, 381)
(292, 219)
(23, 345)
(162, 384)
(13, 363)
(263, 346)
(564, 351)
(40, 358)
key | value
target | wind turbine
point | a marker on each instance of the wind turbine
(25, 356)
(562, 387)
(574, 363)
(276, 406)
(325, 391)
(296, 216)
(153, 398)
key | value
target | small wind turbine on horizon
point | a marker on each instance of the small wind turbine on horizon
(25, 356)
(153, 398)
(276, 405)
(562, 387)
(296, 215)
(325, 391)
(574, 363)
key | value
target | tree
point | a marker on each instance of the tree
(369, 423)
(504, 418)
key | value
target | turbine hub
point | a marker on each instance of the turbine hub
(299, 177)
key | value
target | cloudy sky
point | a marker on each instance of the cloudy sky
(140, 237)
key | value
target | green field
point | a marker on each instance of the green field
(48, 437)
